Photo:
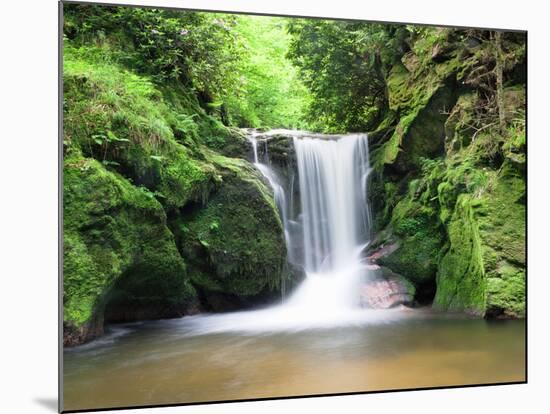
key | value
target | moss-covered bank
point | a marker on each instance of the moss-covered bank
(449, 187)
(135, 154)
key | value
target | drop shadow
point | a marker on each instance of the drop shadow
(49, 403)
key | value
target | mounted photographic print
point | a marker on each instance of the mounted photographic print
(260, 207)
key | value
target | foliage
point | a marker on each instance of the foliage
(269, 93)
(461, 284)
(198, 49)
(123, 120)
(344, 65)
(235, 65)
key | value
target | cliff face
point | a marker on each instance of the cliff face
(449, 188)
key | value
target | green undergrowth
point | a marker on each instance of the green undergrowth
(130, 126)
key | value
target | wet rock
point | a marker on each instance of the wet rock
(385, 289)
(383, 250)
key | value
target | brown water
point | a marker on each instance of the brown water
(167, 362)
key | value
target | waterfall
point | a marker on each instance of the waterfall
(278, 194)
(334, 218)
(332, 176)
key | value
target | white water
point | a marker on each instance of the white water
(332, 175)
(278, 191)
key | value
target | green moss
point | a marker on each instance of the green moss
(420, 238)
(461, 284)
(506, 294)
(152, 136)
(484, 210)
(397, 87)
(235, 243)
(458, 126)
(110, 228)
(452, 181)
(418, 97)
(502, 230)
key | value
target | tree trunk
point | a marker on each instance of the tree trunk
(499, 75)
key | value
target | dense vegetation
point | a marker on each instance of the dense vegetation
(164, 215)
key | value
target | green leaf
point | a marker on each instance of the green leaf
(99, 139)
(112, 163)
(158, 158)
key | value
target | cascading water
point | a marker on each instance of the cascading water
(332, 176)
(335, 223)
(278, 194)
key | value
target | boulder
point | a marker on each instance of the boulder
(234, 244)
(385, 289)
(117, 249)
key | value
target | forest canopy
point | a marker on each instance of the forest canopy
(237, 65)
(259, 71)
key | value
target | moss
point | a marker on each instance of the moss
(419, 97)
(150, 135)
(426, 133)
(450, 182)
(506, 294)
(110, 227)
(397, 87)
(458, 126)
(420, 238)
(502, 230)
(484, 210)
(461, 284)
(235, 243)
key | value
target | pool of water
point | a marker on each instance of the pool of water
(178, 361)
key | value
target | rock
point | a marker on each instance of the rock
(410, 61)
(441, 52)
(472, 43)
(448, 185)
(74, 335)
(385, 289)
(483, 272)
(415, 241)
(235, 145)
(382, 251)
(421, 99)
(458, 129)
(117, 249)
(234, 244)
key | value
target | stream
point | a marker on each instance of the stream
(173, 361)
(319, 340)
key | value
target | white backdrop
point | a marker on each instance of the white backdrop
(28, 203)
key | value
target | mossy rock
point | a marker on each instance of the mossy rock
(502, 230)
(461, 284)
(484, 270)
(234, 243)
(113, 229)
(150, 135)
(416, 229)
(420, 102)
(458, 129)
